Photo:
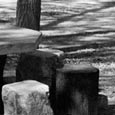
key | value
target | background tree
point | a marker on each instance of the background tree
(28, 14)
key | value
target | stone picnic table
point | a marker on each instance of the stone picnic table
(14, 39)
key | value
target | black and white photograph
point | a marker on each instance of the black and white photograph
(57, 57)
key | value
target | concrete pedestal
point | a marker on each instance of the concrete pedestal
(74, 91)
(39, 65)
(26, 98)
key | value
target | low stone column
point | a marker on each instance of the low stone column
(26, 98)
(74, 91)
(39, 65)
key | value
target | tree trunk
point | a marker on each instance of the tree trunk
(28, 14)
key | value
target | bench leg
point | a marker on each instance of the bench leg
(74, 90)
(2, 64)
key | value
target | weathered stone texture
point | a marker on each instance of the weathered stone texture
(26, 98)
(39, 65)
(74, 91)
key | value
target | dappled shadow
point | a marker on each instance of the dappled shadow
(99, 53)
(6, 7)
(84, 33)
(67, 18)
(4, 21)
(108, 4)
(96, 56)
(84, 39)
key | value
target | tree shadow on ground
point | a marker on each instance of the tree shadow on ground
(67, 18)
(6, 7)
(4, 21)
(85, 39)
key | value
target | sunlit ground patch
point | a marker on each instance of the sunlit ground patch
(94, 38)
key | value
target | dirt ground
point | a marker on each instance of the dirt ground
(87, 27)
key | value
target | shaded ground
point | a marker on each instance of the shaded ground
(88, 27)
(88, 23)
(92, 26)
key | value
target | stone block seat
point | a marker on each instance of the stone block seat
(39, 65)
(74, 91)
(28, 97)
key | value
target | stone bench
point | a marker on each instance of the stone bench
(74, 90)
(26, 98)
